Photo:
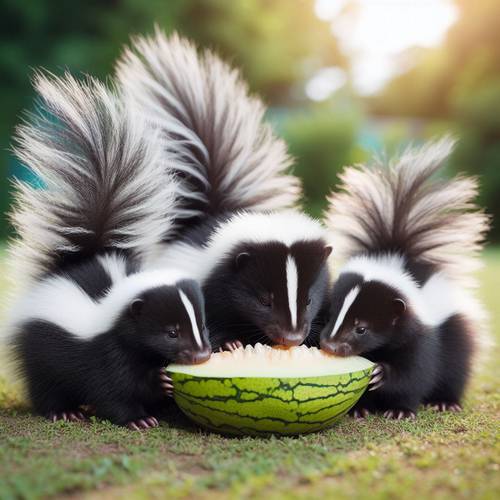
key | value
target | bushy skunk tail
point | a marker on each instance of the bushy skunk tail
(232, 159)
(400, 208)
(104, 179)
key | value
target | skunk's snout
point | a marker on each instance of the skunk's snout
(289, 339)
(191, 357)
(337, 348)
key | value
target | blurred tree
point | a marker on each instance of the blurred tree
(469, 57)
(460, 82)
(322, 141)
(82, 36)
(278, 44)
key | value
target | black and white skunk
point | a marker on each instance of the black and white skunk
(403, 297)
(262, 265)
(89, 327)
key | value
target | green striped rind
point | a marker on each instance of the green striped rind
(268, 405)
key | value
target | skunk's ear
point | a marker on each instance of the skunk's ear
(136, 307)
(327, 251)
(399, 307)
(241, 260)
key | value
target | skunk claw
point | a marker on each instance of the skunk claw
(143, 423)
(360, 413)
(444, 406)
(152, 421)
(232, 345)
(400, 414)
(376, 386)
(166, 383)
(67, 416)
(377, 379)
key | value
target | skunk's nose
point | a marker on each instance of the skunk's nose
(188, 357)
(338, 348)
(289, 339)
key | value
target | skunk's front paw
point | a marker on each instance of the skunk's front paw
(377, 379)
(166, 383)
(143, 423)
(67, 416)
(400, 414)
(359, 413)
(445, 406)
(232, 345)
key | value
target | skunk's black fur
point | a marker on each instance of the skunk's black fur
(232, 175)
(402, 299)
(247, 293)
(419, 363)
(117, 372)
(89, 327)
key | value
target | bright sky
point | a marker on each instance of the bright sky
(373, 33)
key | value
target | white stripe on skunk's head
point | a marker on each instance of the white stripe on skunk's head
(364, 316)
(169, 324)
(162, 309)
(346, 305)
(371, 298)
(390, 270)
(292, 285)
(276, 266)
(195, 328)
(268, 268)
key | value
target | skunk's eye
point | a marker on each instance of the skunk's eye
(172, 332)
(360, 330)
(266, 299)
(308, 303)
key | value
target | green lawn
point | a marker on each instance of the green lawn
(438, 456)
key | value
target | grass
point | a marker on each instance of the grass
(438, 456)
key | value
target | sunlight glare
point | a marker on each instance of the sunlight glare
(374, 32)
(325, 82)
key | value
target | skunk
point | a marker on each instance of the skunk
(90, 327)
(262, 265)
(403, 298)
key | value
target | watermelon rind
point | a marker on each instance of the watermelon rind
(268, 405)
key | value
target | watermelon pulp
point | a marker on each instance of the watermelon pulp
(261, 390)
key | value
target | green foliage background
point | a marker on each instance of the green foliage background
(460, 82)
(279, 45)
(275, 45)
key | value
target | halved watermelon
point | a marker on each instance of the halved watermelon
(264, 390)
